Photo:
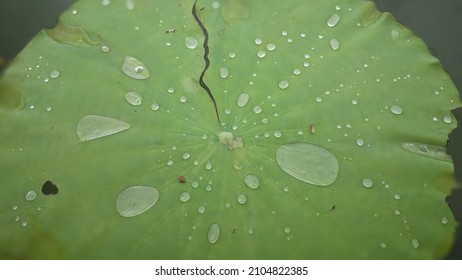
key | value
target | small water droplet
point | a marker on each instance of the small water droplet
(243, 99)
(368, 183)
(170, 162)
(258, 41)
(134, 98)
(93, 126)
(155, 106)
(24, 224)
(208, 166)
(415, 243)
(135, 68)
(31, 195)
(397, 196)
(186, 156)
(191, 42)
(383, 245)
(308, 163)
(395, 35)
(396, 109)
(444, 220)
(261, 54)
(136, 200)
(224, 72)
(271, 46)
(183, 99)
(397, 212)
(287, 229)
(105, 49)
(16, 219)
(48, 109)
(334, 44)
(214, 233)
(15, 207)
(360, 142)
(252, 181)
(232, 55)
(185, 196)
(257, 109)
(283, 84)
(447, 119)
(242, 199)
(106, 2)
(74, 12)
(54, 74)
(333, 20)
(277, 134)
(201, 209)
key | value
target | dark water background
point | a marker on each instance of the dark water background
(438, 23)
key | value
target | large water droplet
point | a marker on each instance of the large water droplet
(308, 163)
(214, 233)
(135, 200)
(31, 195)
(93, 126)
(252, 181)
(135, 68)
(243, 99)
(333, 20)
(436, 152)
(191, 42)
(134, 98)
(447, 119)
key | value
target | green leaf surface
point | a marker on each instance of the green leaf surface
(331, 142)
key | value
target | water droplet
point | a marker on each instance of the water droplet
(31, 195)
(191, 42)
(397, 196)
(201, 209)
(257, 109)
(333, 20)
(395, 35)
(287, 229)
(208, 166)
(232, 55)
(383, 245)
(297, 71)
(368, 183)
(360, 142)
(183, 99)
(444, 220)
(277, 134)
(134, 98)
(170, 162)
(92, 126)
(308, 163)
(186, 156)
(271, 47)
(130, 4)
(214, 233)
(396, 109)
(334, 44)
(397, 212)
(283, 84)
(106, 2)
(241, 199)
(216, 5)
(24, 224)
(135, 68)
(261, 54)
(105, 49)
(54, 74)
(252, 181)
(15, 207)
(155, 106)
(432, 151)
(447, 119)
(224, 72)
(243, 99)
(185, 196)
(16, 219)
(48, 109)
(136, 200)
(354, 102)
(74, 12)
(415, 243)
(258, 41)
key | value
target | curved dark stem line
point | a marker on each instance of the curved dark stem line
(206, 59)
